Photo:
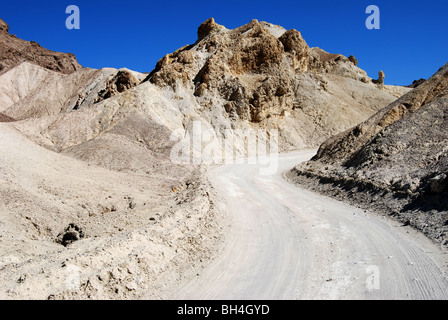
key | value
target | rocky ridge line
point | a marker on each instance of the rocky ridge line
(14, 51)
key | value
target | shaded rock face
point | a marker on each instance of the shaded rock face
(416, 83)
(300, 55)
(14, 51)
(340, 65)
(345, 144)
(70, 234)
(248, 50)
(121, 82)
(257, 76)
(5, 118)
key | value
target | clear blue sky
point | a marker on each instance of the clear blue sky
(411, 44)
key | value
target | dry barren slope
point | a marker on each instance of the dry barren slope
(395, 161)
(228, 79)
(31, 91)
(134, 234)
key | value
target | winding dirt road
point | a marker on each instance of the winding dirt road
(289, 243)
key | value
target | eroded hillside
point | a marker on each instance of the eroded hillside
(396, 161)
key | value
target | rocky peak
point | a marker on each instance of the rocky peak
(346, 144)
(253, 69)
(207, 27)
(292, 41)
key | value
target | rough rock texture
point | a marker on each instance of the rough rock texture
(14, 51)
(121, 82)
(4, 27)
(208, 27)
(101, 212)
(380, 79)
(396, 161)
(353, 60)
(4, 118)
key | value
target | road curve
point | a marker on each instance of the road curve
(289, 243)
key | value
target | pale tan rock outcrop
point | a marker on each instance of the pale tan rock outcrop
(208, 27)
(380, 79)
(262, 74)
(297, 49)
(121, 82)
(4, 118)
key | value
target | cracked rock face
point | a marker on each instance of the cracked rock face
(207, 27)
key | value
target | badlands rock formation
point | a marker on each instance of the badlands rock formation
(92, 204)
(263, 76)
(396, 161)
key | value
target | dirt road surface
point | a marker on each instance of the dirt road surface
(289, 243)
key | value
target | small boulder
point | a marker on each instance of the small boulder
(70, 234)
(439, 183)
(353, 60)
